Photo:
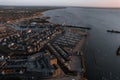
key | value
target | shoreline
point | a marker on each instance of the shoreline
(36, 16)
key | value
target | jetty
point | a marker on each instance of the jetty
(88, 28)
(113, 31)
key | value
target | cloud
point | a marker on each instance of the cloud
(115, 3)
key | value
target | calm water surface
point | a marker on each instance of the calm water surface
(100, 55)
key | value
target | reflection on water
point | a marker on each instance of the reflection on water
(101, 60)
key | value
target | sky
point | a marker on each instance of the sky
(88, 3)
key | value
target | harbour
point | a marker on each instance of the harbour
(68, 43)
(42, 47)
(100, 52)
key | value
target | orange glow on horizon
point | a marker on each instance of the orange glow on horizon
(111, 3)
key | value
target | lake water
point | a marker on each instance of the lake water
(101, 60)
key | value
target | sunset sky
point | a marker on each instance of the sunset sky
(92, 3)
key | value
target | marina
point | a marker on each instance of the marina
(101, 47)
(72, 43)
(38, 46)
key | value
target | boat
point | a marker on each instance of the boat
(118, 51)
(113, 31)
